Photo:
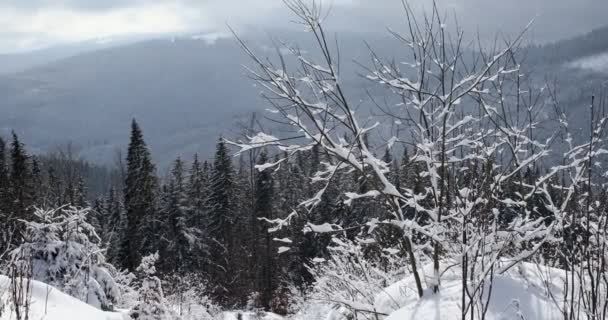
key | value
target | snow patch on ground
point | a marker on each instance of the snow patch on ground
(58, 305)
(234, 315)
(519, 294)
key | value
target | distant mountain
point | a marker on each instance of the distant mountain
(15, 62)
(186, 91)
(181, 91)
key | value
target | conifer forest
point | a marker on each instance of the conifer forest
(429, 173)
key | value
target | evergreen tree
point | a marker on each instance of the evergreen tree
(182, 236)
(66, 251)
(117, 228)
(81, 193)
(37, 183)
(197, 190)
(140, 190)
(53, 195)
(4, 180)
(151, 304)
(97, 217)
(4, 199)
(267, 269)
(21, 188)
(221, 215)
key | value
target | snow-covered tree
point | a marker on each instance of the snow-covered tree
(221, 215)
(463, 111)
(65, 252)
(139, 200)
(151, 304)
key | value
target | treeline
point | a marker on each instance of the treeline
(209, 221)
(592, 43)
(50, 180)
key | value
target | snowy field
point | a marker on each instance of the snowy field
(519, 294)
(49, 303)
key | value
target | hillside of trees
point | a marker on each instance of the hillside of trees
(468, 182)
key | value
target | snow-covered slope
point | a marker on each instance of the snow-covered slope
(518, 294)
(49, 303)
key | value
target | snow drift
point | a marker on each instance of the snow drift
(521, 293)
(49, 303)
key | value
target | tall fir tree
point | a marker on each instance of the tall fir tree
(140, 190)
(198, 191)
(5, 234)
(21, 186)
(267, 258)
(182, 235)
(222, 216)
(116, 229)
(4, 179)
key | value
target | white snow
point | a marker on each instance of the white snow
(518, 294)
(58, 305)
(234, 315)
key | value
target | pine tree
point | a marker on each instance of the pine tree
(97, 217)
(289, 182)
(151, 304)
(221, 215)
(264, 193)
(117, 228)
(4, 199)
(37, 183)
(66, 251)
(182, 236)
(140, 189)
(21, 188)
(4, 179)
(81, 194)
(53, 195)
(197, 189)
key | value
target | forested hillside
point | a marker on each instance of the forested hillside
(449, 180)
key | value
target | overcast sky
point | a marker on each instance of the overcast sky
(30, 24)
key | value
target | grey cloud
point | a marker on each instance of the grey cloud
(554, 19)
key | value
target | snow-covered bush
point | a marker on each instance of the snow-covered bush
(151, 304)
(186, 295)
(65, 253)
(351, 279)
(128, 294)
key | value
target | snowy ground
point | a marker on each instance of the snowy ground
(519, 294)
(249, 316)
(49, 303)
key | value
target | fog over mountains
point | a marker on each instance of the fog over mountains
(185, 91)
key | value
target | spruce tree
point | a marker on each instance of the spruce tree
(21, 188)
(81, 194)
(140, 189)
(222, 216)
(4, 199)
(53, 195)
(197, 190)
(117, 228)
(37, 183)
(4, 179)
(264, 193)
(182, 236)
(96, 218)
